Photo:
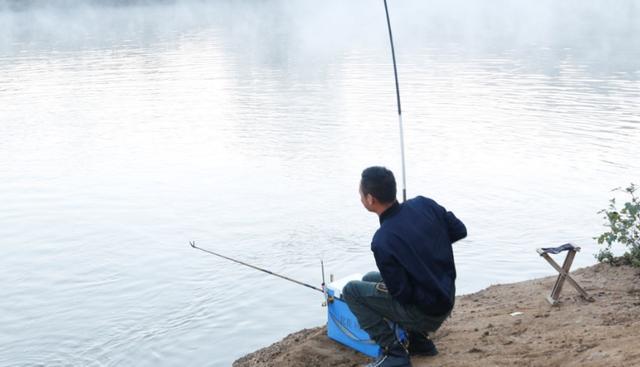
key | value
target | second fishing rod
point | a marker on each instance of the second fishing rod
(404, 186)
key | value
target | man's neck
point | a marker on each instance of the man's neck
(383, 208)
(389, 212)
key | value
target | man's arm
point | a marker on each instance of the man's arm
(394, 276)
(457, 229)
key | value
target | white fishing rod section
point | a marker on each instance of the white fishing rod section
(395, 73)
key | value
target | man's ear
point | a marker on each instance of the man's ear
(370, 200)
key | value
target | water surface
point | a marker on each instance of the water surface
(126, 131)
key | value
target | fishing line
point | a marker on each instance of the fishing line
(395, 73)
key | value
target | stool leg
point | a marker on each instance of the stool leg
(559, 269)
(566, 266)
(583, 293)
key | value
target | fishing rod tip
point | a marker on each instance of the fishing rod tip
(192, 243)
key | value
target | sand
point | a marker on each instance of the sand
(482, 332)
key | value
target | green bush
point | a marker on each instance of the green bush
(624, 228)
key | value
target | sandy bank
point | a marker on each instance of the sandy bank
(482, 332)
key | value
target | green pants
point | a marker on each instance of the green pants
(372, 305)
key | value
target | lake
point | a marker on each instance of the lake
(129, 129)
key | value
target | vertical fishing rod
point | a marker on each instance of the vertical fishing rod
(193, 244)
(395, 73)
(324, 285)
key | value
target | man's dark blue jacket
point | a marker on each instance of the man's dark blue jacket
(412, 249)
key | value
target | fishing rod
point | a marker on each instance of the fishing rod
(395, 73)
(193, 244)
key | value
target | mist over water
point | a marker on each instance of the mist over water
(128, 128)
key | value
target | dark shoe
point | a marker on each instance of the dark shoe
(421, 345)
(393, 356)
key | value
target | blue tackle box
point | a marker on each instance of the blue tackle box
(342, 325)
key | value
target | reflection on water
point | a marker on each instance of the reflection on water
(127, 131)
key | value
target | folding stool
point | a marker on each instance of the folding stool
(564, 270)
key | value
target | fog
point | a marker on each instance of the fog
(603, 34)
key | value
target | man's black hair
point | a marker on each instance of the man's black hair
(380, 183)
